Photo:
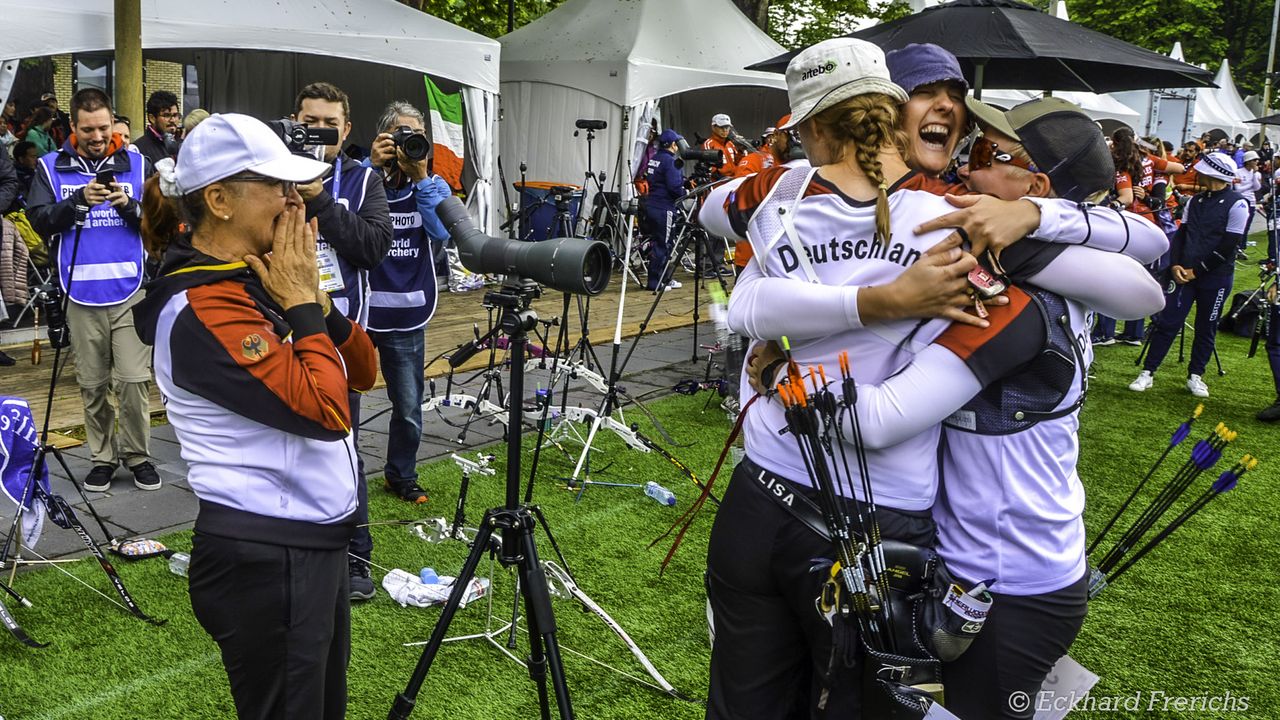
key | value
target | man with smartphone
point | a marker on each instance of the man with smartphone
(84, 202)
(350, 206)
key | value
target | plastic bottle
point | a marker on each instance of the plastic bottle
(428, 576)
(179, 563)
(659, 493)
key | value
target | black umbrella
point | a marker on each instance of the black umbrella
(1268, 120)
(1009, 44)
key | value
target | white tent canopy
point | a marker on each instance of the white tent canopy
(1224, 107)
(614, 60)
(376, 31)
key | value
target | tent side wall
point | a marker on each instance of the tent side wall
(752, 109)
(537, 129)
(537, 126)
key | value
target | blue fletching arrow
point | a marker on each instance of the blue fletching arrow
(1226, 482)
(1215, 454)
(1180, 434)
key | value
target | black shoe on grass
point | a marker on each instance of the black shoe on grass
(361, 584)
(408, 491)
(1271, 414)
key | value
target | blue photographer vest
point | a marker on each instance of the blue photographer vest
(109, 260)
(403, 285)
(1209, 214)
(347, 188)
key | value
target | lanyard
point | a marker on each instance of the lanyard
(337, 178)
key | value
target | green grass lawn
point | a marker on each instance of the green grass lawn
(1197, 617)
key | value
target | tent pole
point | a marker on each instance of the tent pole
(128, 68)
(1271, 63)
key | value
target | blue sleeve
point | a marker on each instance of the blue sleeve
(428, 194)
(674, 178)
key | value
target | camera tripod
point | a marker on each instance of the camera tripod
(1267, 284)
(60, 511)
(690, 232)
(516, 523)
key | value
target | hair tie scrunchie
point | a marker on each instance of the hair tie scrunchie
(167, 171)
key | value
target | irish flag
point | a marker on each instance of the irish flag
(446, 133)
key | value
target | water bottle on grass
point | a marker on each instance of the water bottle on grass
(179, 563)
(659, 493)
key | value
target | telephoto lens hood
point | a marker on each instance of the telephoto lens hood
(574, 265)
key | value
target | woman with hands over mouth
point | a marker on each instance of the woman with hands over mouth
(255, 365)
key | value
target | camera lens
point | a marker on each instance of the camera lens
(416, 147)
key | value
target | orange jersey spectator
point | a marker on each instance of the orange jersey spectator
(721, 139)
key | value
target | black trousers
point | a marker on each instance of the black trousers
(772, 649)
(281, 616)
(1209, 293)
(1022, 639)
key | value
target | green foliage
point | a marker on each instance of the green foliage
(799, 23)
(487, 17)
(1208, 29)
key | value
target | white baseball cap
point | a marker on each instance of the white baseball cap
(228, 144)
(721, 120)
(834, 71)
(1216, 165)
(1251, 155)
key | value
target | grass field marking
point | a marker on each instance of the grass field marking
(77, 707)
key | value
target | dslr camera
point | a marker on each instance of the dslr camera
(415, 145)
(302, 138)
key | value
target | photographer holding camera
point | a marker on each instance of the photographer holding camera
(350, 207)
(94, 181)
(159, 139)
(404, 285)
(666, 184)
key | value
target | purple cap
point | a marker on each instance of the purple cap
(920, 64)
(669, 136)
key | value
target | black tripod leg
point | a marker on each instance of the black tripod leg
(110, 539)
(1146, 342)
(544, 649)
(459, 513)
(1218, 360)
(404, 702)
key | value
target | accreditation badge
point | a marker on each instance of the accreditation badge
(327, 263)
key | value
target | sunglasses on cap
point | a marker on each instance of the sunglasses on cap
(984, 153)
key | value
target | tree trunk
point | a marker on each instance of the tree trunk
(757, 11)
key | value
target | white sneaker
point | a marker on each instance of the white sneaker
(1144, 381)
(674, 285)
(1197, 386)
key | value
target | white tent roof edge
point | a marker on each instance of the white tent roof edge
(413, 40)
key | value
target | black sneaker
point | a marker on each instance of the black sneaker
(99, 478)
(145, 476)
(361, 584)
(6, 360)
(408, 491)
(1270, 414)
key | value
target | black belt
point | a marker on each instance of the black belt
(788, 496)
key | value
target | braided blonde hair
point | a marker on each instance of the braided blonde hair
(864, 124)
